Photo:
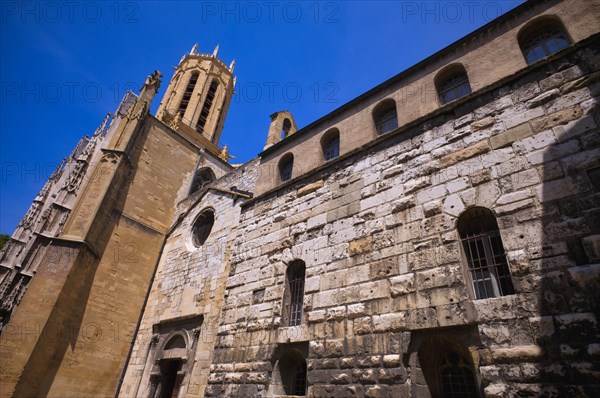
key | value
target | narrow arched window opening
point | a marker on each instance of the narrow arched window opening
(202, 178)
(331, 145)
(292, 368)
(385, 117)
(187, 94)
(484, 252)
(458, 380)
(285, 128)
(542, 38)
(202, 227)
(286, 167)
(452, 83)
(294, 293)
(208, 102)
(446, 365)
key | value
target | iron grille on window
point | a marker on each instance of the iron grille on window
(455, 88)
(299, 380)
(387, 121)
(295, 276)
(485, 255)
(188, 93)
(331, 149)
(544, 43)
(285, 168)
(458, 380)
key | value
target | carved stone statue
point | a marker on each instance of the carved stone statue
(225, 154)
(153, 80)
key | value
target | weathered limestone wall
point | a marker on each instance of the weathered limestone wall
(77, 320)
(415, 93)
(142, 214)
(189, 286)
(49, 211)
(385, 278)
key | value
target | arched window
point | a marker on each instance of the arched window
(445, 364)
(286, 167)
(484, 252)
(210, 96)
(331, 144)
(202, 227)
(202, 178)
(458, 380)
(176, 341)
(385, 117)
(293, 298)
(292, 368)
(452, 83)
(286, 127)
(187, 94)
(541, 38)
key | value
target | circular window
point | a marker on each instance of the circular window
(202, 227)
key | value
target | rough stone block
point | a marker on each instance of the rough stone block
(464, 154)
(480, 177)
(511, 135)
(389, 322)
(522, 117)
(356, 310)
(543, 98)
(416, 184)
(557, 118)
(483, 123)
(360, 246)
(402, 284)
(403, 204)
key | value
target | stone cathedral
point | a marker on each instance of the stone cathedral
(437, 236)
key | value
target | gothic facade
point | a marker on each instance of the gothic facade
(438, 236)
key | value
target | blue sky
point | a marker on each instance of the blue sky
(63, 66)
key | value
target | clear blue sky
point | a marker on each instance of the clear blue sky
(65, 65)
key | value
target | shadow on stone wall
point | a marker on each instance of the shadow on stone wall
(562, 267)
(65, 328)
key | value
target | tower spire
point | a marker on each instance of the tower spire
(196, 100)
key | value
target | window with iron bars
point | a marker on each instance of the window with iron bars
(458, 380)
(387, 121)
(484, 252)
(299, 380)
(454, 88)
(331, 146)
(544, 43)
(286, 167)
(295, 292)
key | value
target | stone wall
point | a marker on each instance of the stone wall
(189, 284)
(77, 320)
(386, 281)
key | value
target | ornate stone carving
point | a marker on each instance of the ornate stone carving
(153, 80)
(175, 121)
(110, 157)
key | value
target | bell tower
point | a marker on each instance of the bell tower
(198, 95)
